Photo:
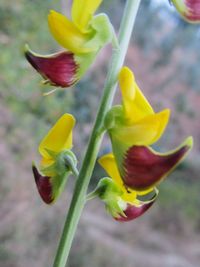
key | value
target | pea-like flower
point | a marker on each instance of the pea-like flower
(133, 127)
(121, 202)
(135, 168)
(57, 161)
(83, 36)
(188, 9)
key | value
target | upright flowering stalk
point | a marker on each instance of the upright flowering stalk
(82, 36)
(57, 162)
(188, 9)
(134, 166)
(88, 164)
(135, 169)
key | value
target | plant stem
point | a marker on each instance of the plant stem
(79, 196)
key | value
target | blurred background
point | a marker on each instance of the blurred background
(165, 57)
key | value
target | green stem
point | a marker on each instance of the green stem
(79, 196)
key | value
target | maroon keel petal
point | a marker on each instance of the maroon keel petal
(57, 69)
(193, 10)
(132, 212)
(144, 168)
(43, 185)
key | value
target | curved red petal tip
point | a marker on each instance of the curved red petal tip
(43, 185)
(193, 10)
(58, 69)
(144, 168)
(132, 212)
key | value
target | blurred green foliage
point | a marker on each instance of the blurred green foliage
(25, 22)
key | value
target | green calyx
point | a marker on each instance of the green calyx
(84, 61)
(64, 164)
(114, 118)
(110, 193)
(107, 189)
(102, 33)
(70, 161)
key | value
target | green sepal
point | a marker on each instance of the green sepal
(103, 33)
(110, 193)
(64, 164)
(116, 207)
(108, 189)
(51, 153)
(84, 61)
(64, 161)
(114, 118)
(70, 162)
(58, 184)
(119, 150)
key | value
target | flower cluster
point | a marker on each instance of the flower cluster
(134, 168)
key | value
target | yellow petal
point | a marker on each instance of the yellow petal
(109, 164)
(45, 162)
(59, 137)
(129, 196)
(135, 104)
(82, 12)
(126, 82)
(145, 192)
(66, 33)
(145, 132)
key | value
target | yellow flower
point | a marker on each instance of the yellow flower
(132, 128)
(135, 122)
(82, 36)
(55, 149)
(109, 164)
(58, 139)
(121, 202)
(143, 170)
(84, 33)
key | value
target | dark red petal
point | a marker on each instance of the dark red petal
(144, 168)
(193, 10)
(43, 185)
(58, 69)
(132, 212)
